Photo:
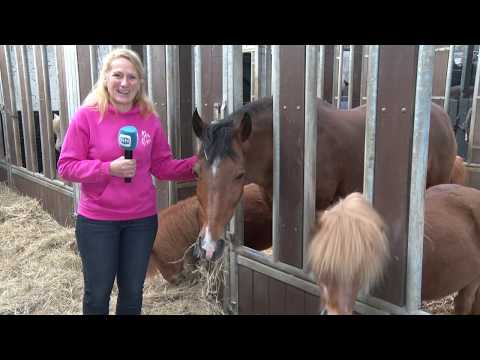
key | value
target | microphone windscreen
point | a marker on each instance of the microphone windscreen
(128, 137)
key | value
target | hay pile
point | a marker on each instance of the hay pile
(41, 272)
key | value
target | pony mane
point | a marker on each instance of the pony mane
(350, 244)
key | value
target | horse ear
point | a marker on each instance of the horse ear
(198, 124)
(245, 127)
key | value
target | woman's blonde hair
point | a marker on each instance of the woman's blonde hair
(99, 96)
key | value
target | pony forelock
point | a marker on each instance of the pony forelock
(350, 244)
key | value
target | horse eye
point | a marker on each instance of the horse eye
(239, 176)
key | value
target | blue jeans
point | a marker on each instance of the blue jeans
(112, 249)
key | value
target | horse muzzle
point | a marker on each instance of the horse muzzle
(201, 251)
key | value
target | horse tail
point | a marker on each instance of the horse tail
(349, 244)
(459, 172)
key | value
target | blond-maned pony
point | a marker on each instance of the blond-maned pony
(179, 225)
(348, 252)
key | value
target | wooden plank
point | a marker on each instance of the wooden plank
(440, 67)
(84, 69)
(2, 138)
(291, 155)
(328, 73)
(186, 106)
(294, 301)
(211, 81)
(354, 87)
(312, 304)
(3, 172)
(397, 65)
(364, 76)
(56, 202)
(28, 125)
(260, 293)
(245, 291)
(45, 112)
(276, 293)
(12, 131)
(157, 90)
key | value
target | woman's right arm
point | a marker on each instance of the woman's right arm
(73, 164)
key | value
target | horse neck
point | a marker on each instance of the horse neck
(180, 222)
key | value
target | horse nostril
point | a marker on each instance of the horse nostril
(198, 252)
(220, 246)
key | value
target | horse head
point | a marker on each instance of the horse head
(220, 173)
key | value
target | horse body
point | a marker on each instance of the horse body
(340, 158)
(451, 250)
(340, 253)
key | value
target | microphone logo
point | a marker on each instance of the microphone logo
(124, 140)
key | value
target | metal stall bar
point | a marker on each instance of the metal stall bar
(370, 125)
(276, 147)
(473, 157)
(364, 75)
(448, 80)
(355, 75)
(45, 111)
(232, 90)
(338, 66)
(320, 71)
(62, 84)
(72, 91)
(14, 155)
(421, 130)
(28, 125)
(310, 159)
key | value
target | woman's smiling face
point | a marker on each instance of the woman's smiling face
(123, 84)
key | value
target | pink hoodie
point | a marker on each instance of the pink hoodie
(89, 147)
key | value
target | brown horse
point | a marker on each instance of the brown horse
(180, 224)
(239, 150)
(348, 250)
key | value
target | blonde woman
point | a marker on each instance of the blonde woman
(117, 221)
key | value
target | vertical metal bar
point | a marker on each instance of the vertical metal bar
(70, 64)
(233, 99)
(371, 120)
(421, 129)
(310, 156)
(448, 81)
(351, 61)
(276, 149)
(473, 119)
(320, 71)
(339, 76)
(197, 70)
(173, 108)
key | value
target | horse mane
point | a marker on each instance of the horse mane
(218, 135)
(350, 244)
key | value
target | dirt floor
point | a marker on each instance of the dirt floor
(41, 270)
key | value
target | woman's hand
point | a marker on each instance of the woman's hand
(124, 168)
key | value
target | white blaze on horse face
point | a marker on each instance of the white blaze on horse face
(208, 244)
(215, 165)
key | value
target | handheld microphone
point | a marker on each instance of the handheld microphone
(127, 140)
